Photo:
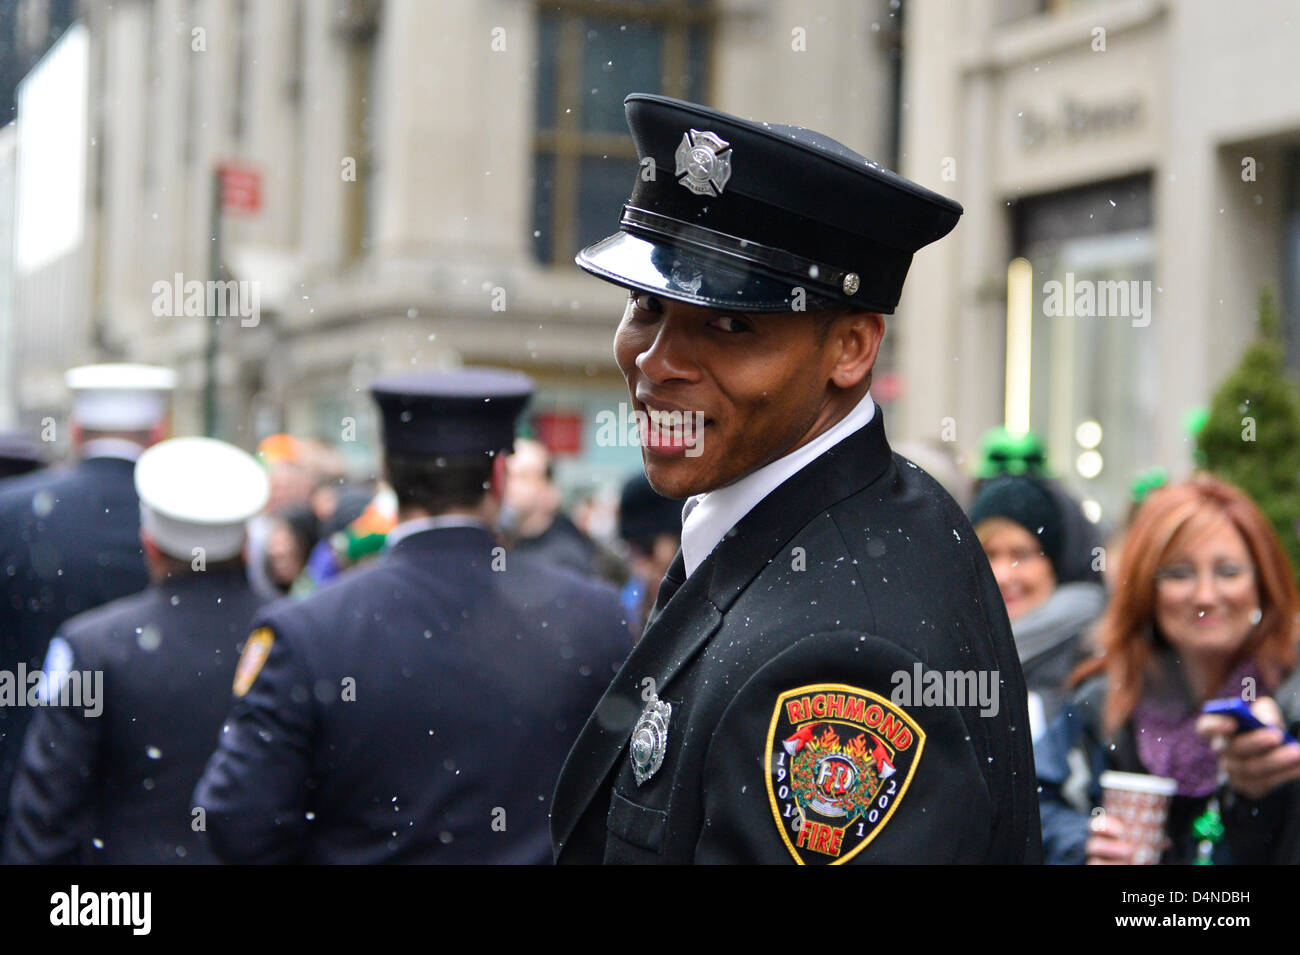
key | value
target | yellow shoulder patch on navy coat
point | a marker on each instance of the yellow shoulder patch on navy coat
(256, 650)
(838, 762)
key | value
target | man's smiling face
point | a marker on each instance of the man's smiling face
(763, 384)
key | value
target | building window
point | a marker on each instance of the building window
(1093, 360)
(590, 56)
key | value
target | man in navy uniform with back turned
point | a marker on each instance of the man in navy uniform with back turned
(417, 709)
(70, 536)
(112, 785)
(773, 710)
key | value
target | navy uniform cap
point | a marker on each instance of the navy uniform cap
(741, 215)
(465, 412)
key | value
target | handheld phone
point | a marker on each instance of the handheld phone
(1239, 710)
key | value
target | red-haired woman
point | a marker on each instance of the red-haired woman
(1205, 608)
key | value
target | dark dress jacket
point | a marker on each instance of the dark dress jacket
(114, 786)
(69, 542)
(788, 658)
(417, 709)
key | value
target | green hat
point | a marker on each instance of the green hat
(1002, 452)
(1144, 482)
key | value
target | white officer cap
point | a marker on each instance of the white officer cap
(120, 397)
(199, 492)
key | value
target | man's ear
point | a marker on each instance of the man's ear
(497, 486)
(153, 557)
(856, 339)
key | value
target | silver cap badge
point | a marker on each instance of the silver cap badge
(703, 163)
(650, 739)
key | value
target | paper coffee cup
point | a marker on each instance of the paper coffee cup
(1141, 803)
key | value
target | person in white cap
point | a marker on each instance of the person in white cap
(107, 778)
(69, 536)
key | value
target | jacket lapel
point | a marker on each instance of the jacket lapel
(687, 614)
(683, 619)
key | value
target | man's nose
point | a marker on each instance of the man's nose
(669, 354)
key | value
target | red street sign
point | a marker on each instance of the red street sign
(559, 431)
(241, 188)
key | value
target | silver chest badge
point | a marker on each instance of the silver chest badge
(703, 163)
(650, 739)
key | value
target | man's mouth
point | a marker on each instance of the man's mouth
(672, 430)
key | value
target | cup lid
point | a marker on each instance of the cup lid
(1139, 782)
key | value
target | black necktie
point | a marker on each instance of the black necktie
(673, 579)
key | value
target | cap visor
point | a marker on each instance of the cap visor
(685, 275)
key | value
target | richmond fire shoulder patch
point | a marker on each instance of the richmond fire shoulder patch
(838, 761)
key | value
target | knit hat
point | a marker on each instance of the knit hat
(644, 514)
(1028, 503)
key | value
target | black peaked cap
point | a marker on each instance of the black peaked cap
(460, 413)
(759, 217)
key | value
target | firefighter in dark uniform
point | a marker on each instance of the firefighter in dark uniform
(828, 674)
(418, 709)
(70, 536)
(136, 690)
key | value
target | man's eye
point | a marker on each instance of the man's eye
(647, 303)
(730, 323)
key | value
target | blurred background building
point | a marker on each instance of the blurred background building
(1125, 141)
(405, 183)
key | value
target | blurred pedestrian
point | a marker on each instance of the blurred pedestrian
(651, 527)
(70, 536)
(1206, 609)
(280, 539)
(1005, 453)
(531, 516)
(109, 781)
(417, 709)
(331, 555)
(1019, 523)
(293, 534)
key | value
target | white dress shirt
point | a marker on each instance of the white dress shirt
(417, 524)
(707, 517)
(111, 448)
